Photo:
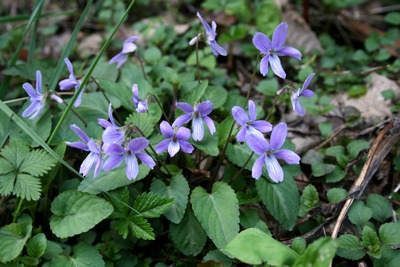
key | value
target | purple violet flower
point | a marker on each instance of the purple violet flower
(210, 37)
(198, 114)
(248, 124)
(270, 153)
(127, 47)
(141, 106)
(71, 82)
(130, 152)
(275, 49)
(94, 159)
(37, 99)
(303, 92)
(112, 133)
(176, 139)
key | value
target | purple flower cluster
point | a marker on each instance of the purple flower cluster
(251, 131)
(116, 147)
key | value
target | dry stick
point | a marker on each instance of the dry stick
(380, 148)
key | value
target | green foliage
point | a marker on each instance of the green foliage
(380, 206)
(113, 179)
(188, 236)
(350, 247)
(309, 199)
(359, 214)
(37, 245)
(260, 248)
(217, 212)
(82, 255)
(355, 147)
(151, 205)
(179, 191)
(371, 242)
(76, 212)
(281, 200)
(389, 234)
(20, 170)
(336, 195)
(319, 253)
(299, 245)
(13, 238)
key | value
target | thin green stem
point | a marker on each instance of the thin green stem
(77, 115)
(142, 67)
(162, 110)
(244, 166)
(32, 40)
(101, 90)
(15, 100)
(17, 211)
(197, 61)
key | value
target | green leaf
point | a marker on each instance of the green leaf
(393, 18)
(140, 227)
(119, 91)
(338, 153)
(336, 195)
(206, 59)
(209, 143)
(36, 246)
(253, 246)
(299, 245)
(310, 198)
(83, 255)
(217, 257)
(281, 200)
(76, 212)
(110, 180)
(319, 254)
(389, 233)
(37, 163)
(217, 212)
(194, 95)
(217, 95)
(325, 128)
(152, 55)
(143, 121)
(12, 240)
(179, 191)
(151, 205)
(372, 43)
(355, 147)
(349, 247)
(357, 90)
(380, 206)
(268, 87)
(371, 242)
(188, 236)
(390, 258)
(336, 175)
(359, 214)
(52, 250)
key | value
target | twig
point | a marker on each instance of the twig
(380, 148)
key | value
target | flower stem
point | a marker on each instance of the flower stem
(197, 61)
(244, 166)
(16, 213)
(142, 67)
